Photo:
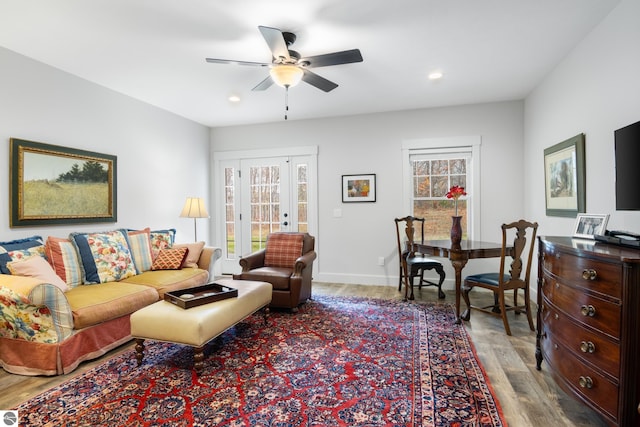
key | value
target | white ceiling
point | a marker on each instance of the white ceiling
(154, 50)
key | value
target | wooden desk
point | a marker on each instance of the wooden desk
(468, 249)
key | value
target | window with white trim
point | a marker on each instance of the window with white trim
(431, 168)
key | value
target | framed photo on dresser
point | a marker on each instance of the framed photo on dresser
(589, 224)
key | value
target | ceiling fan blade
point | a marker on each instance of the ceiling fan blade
(320, 82)
(234, 62)
(265, 84)
(336, 58)
(276, 43)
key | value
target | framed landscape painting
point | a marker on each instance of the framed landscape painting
(564, 176)
(57, 185)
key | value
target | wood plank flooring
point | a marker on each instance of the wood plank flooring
(528, 397)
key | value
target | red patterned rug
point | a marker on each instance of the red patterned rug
(337, 362)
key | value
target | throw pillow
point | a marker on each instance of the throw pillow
(105, 256)
(19, 249)
(161, 239)
(283, 249)
(63, 257)
(193, 255)
(170, 259)
(140, 246)
(37, 267)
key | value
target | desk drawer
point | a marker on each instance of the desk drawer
(589, 346)
(583, 380)
(607, 276)
(595, 312)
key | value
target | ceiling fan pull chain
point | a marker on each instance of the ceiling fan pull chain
(286, 101)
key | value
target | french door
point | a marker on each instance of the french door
(261, 195)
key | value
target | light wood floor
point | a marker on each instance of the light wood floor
(528, 397)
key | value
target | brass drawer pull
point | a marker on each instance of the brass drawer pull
(588, 310)
(585, 382)
(587, 347)
(589, 274)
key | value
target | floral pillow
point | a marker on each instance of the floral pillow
(161, 239)
(105, 256)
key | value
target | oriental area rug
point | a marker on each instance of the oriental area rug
(338, 361)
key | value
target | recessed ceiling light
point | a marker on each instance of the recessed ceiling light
(435, 75)
(234, 98)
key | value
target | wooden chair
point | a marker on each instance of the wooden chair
(516, 278)
(413, 264)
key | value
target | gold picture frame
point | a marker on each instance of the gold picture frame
(58, 185)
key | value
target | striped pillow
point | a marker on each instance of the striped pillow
(140, 247)
(283, 249)
(63, 257)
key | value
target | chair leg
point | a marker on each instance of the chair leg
(441, 273)
(496, 303)
(503, 313)
(527, 305)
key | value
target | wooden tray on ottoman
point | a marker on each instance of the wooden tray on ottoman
(193, 297)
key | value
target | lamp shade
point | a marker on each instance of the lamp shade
(286, 75)
(194, 208)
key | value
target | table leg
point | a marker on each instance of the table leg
(458, 265)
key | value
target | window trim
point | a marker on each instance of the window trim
(449, 144)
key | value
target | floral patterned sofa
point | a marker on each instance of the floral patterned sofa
(66, 300)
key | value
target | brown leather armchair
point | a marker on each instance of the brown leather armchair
(286, 262)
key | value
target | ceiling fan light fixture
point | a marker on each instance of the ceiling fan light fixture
(286, 75)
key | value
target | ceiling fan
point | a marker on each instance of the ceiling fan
(288, 68)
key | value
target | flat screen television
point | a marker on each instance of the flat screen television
(627, 147)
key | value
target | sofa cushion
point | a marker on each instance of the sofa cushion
(19, 249)
(63, 257)
(105, 256)
(170, 280)
(283, 249)
(38, 268)
(140, 246)
(170, 259)
(93, 304)
(195, 250)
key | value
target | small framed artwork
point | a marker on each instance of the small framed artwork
(589, 224)
(50, 185)
(358, 188)
(564, 177)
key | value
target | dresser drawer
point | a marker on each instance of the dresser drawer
(585, 308)
(606, 276)
(589, 346)
(583, 380)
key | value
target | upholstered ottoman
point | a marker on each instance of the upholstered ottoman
(196, 326)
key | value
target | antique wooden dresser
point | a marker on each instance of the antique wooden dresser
(589, 323)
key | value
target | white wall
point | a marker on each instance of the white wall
(349, 247)
(594, 91)
(162, 158)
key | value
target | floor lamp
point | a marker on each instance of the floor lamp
(194, 208)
